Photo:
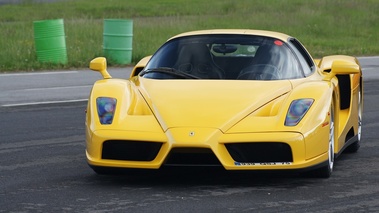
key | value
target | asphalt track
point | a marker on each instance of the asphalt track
(43, 168)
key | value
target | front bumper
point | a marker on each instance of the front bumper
(203, 146)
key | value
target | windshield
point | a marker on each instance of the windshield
(240, 57)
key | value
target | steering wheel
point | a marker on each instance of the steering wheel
(259, 72)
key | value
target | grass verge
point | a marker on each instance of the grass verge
(349, 27)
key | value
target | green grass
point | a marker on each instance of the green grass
(349, 27)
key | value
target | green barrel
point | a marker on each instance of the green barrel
(118, 40)
(50, 41)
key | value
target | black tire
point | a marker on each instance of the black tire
(354, 147)
(326, 171)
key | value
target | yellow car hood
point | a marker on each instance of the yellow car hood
(207, 103)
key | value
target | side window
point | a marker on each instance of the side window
(304, 58)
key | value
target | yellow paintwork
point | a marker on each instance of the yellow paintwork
(280, 36)
(140, 65)
(163, 111)
(100, 64)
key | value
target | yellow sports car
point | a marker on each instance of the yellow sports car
(240, 99)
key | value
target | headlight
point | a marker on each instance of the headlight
(297, 110)
(105, 109)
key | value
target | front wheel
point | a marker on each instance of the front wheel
(326, 171)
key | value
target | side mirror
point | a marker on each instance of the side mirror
(340, 67)
(100, 64)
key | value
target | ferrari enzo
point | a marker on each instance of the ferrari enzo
(239, 99)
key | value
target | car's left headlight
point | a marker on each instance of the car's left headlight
(106, 107)
(297, 110)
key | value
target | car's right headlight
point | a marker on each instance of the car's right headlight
(106, 108)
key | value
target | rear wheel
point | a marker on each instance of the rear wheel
(355, 146)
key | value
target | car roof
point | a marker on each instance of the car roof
(273, 34)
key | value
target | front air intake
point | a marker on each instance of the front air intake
(130, 150)
(192, 157)
(260, 152)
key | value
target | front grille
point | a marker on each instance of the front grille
(130, 150)
(192, 156)
(260, 152)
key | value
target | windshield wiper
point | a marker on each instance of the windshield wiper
(170, 71)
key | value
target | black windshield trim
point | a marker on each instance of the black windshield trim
(170, 71)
